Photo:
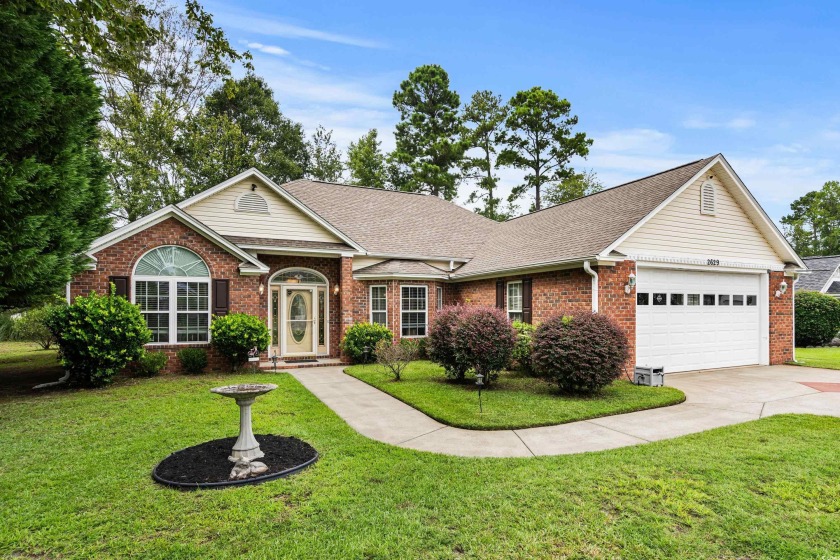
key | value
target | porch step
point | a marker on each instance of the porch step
(283, 366)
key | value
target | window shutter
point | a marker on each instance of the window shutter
(500, 294)
(121, 284)
(526, 300)
(221, 297)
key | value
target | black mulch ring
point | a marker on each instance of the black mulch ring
(207, 466)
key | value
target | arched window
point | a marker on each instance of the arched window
(172, 288)
(298, 276)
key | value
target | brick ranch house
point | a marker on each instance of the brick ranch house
(686, 261)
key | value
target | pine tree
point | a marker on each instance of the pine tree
(53, 193)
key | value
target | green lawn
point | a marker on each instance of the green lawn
(74, 483)
(514, 401)
(24, 365)
(828, 357)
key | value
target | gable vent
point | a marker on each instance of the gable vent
(707, 199)
(252, 202)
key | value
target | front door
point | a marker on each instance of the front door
(298, 321)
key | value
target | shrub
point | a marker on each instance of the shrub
(440, 344)
(236, 334)
(31, 326)
(151, 363)
(484, 341)
(193, 360)
(7, 326)
(98, 336)
(521, 356)
(364, 335)
(395, 357)
(817, 318)
(583, 353)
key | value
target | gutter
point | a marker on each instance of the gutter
(594, 275)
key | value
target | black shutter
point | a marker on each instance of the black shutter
(221, 297)
(500, 294)
(526, 300)
(121, 285)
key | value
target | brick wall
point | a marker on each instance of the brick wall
(119, 260)
(614, 302)
(781, 320)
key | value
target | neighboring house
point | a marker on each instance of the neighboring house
(823, 276)
(312, 258)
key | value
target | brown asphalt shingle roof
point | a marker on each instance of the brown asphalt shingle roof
(288, 243)
(577, 229)
(395, 223)
(398, 266)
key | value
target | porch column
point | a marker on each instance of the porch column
(346, 293)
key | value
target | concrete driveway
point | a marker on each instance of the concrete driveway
(714, 398)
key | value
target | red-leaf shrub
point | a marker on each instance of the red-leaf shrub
(440, 344)
(484, 340)
(583, 353)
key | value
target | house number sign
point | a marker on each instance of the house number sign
(712, 262)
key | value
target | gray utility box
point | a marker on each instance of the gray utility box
(653, 376)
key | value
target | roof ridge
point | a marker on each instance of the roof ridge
(613, 188)
(336, 184)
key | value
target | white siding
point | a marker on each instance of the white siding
(283, 221)
(362, 262)
(680, 230)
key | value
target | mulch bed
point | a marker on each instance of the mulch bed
(207, 466)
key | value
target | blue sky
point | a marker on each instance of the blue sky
(655, 84)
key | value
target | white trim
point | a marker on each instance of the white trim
(277, 189)
(703, 263)
(281, 306)
(400, 277)
(438, 298)
(313, 290)
(563, 264)
(370, 302)
(292, 251)
(754, 210)
(507, 297)
(764, 318)
(425, 311)
(172, 312)
(250, 265)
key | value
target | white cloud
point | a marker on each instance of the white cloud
(268, 49)
(633, 140)
(702, 123)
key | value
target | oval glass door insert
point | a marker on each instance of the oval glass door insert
(297, 314)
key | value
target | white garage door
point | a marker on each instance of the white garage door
(688, 320)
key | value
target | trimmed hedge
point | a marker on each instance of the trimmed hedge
(581, 353)
(193, 360)
(151, 363)
(98, 336)
(361, 336)
(817, 318)
(440, 344)
(484, 341)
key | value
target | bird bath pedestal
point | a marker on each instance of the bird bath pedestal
(246, 447)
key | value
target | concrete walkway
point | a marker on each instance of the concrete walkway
(713, 399)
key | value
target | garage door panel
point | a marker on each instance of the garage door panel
(685, 337)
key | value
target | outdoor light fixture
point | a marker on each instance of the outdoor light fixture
(335, 290)
(631, 282)
(782, 289)
(479, 380)
(262, 288)
(253, 187)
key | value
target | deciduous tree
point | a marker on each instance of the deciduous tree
(540, 140)
(484, 117)
(813, 226)
(52, 177)
(324, 157)
(429, 144)
(575, 186)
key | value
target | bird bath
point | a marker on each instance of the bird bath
(247, 447)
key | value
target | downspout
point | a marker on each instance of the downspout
(594, 276)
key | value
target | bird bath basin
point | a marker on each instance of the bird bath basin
(246, 447)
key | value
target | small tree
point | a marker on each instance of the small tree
(32, 326)
(394, 358)
(236, 334)
(581, 353)
(98, 336)
(521, 357)
(440, 344)
(484, 341)
(817, 318)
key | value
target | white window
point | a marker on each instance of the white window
(172, 288)
(514, 300)
(439, 294)
(413, 310)
(378, 305)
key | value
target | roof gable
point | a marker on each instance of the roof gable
(250, 264)
(288, 217)
(820, 273)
